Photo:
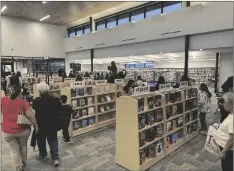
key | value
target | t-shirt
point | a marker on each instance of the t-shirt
(67, 111)
(140, 83)
(226, 128)
(10, 111)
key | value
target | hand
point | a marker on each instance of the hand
(36, 130)
(222, 155)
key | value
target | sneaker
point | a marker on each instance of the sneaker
(67, 142)
(38, 157)
(56, 163)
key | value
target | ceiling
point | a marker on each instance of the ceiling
(61, 12)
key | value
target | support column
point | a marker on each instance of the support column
(216, 73)
(12, 64)
(91, 57)
(186, 56)
(92, 24)
(33, 67)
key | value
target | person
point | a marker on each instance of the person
(204, 96)
(48, 115)
(86, 74)
(78, 77)
(13, 80)
(113, 73)
(122, 74)
(224, 135)
(66, 117)
(18, 74)
(161, 80)
(98, 76)
(71, 75)
(129, 88)
(16, 135)
(226, 87)
(140, 81)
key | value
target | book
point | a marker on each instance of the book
(90, 110)
(150, 134)
(73, 92)
(194, 115)
(159, 115)
(174, 111)
(150, 118)
(159, 147)
(84, 123)
(166, 98)
(142, 139)
(169, 126)
(81, 102)
(172, 97)
(102, 109)
(168, 112)
(88, 91)
(180, 134)
(140, 104)
(75, 125)
(102, 99)
(159, 131)
(108, 108)
(180, 108)
(141, 121)
(142, 156)
(187, 118)
(90, 101)
(178, 96)
(174, 137)
(180, 122)
(173, 124)
(74, 103)
(150, 101)
(108, 98)
(80, 91)
(150, 151)
(84, 112)
(157, 100)
(91, 121)
(76, 114)
(194, 127)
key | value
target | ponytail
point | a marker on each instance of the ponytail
(14, 92)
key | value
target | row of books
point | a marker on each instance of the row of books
(191, 128)
(151, 151)
(82, 91)
(105, 108)
(150, 134)
(174, 138)
(173, 110)
(174, 124)
(190, 104)
(189, 117)
(82, 102)
(83, 123)
(83, 113)
(102, 99)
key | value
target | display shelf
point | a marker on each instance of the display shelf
(112, 101)
(78, 97)
(191, 110)
(102, 113)
(84, 117)
(147, 139)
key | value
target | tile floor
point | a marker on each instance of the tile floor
(96, 151)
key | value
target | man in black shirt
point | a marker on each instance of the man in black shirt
(66, 118)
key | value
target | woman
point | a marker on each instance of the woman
(13, 80)
(161, 80)
(203, 106)
(78, 77)
(140, 81)
(224, 135)
(113, 73)
(129, 88)
(15, 134)
(48, 115)
(18, 74)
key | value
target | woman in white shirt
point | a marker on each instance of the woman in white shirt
(140, 81)
(224, 135)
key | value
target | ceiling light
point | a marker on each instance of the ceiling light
(3, 8)
(44, 17)
(201, 49)
(161, 52)
(44, 2)
(194, 57)
(172, 58)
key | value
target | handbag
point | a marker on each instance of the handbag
(22, 118)
(210, 144)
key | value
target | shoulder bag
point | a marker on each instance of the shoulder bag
(22, 118)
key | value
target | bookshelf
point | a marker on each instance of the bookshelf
(28, 82)
(153, 125)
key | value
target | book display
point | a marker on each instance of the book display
(28, 82)
(153, 125)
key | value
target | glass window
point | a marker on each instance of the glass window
(100, 25)
(170, 7)
(111, 22)
(153, 10)
(71, 33)
(79, 31)
(87, 29)
(124, 18)
(137, 15)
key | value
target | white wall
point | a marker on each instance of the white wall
(99, 67)
(181, 64)
(32, 39)
(226, 67)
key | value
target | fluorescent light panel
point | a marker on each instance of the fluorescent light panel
(3, 8)
(44, 17)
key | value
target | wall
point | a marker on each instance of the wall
(226, 67)
(32, 39)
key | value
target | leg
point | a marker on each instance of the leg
(42, 144)
(65, 132)
(227, 163)
(202, 117)
(53, 143)
(23, 139)
(13, 142)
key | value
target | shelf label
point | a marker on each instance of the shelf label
(88, 82)
(87, 78)
(69, 79)
(119, 81)
(183, 84)
(77, 83)
(141, 90)
(165, 86)
(100, 82)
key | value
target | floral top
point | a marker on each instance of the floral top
(203, 102)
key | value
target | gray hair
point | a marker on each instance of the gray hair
(228, 97)
(43, 88)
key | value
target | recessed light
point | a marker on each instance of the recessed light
(44, 2)
(201, 49)
(3, 8)
(44, 17)
(161, 52)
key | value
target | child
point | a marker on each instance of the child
(203, 106)
(66, 117)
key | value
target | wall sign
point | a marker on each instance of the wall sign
(141, 90)
(165, 86)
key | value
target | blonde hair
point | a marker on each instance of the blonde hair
(43, 88)
(228, 97)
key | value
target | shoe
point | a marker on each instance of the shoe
(67, 142)
(56, 163)
(23, 164)
(38, 157)
(204, 132)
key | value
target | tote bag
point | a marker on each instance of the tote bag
(210, 144)
(22, 118)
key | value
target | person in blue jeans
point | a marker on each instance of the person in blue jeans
(48, 115)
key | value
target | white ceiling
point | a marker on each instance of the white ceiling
(61, 12)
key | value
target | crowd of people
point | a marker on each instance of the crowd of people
(49, 114)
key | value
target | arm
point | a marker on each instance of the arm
(229, 143)
(8, 83)
(29, 113)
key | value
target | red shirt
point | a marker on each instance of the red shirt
(10, 111)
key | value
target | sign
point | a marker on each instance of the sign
(89, 82)
(183, 84)
(87, 78)
(165, 86)
(77, 83)
(210, 144)
(141, 90)
(119, 81)
(69, 79)
(100, 82)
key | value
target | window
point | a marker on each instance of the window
(79, 31)
(153, 10)
(100, 25)
(71, 33)
(124, 18)
(137, 15)
(87, 29)
(171, 6)
(111, 22)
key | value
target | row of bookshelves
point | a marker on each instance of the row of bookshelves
(163, 121)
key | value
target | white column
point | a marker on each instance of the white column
(226, 67)
(67, 65)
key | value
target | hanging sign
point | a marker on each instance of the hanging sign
(183, 84)
(100, 82)
(141, 90)
(165, 86)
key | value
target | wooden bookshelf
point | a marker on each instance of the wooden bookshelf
(129, 142)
